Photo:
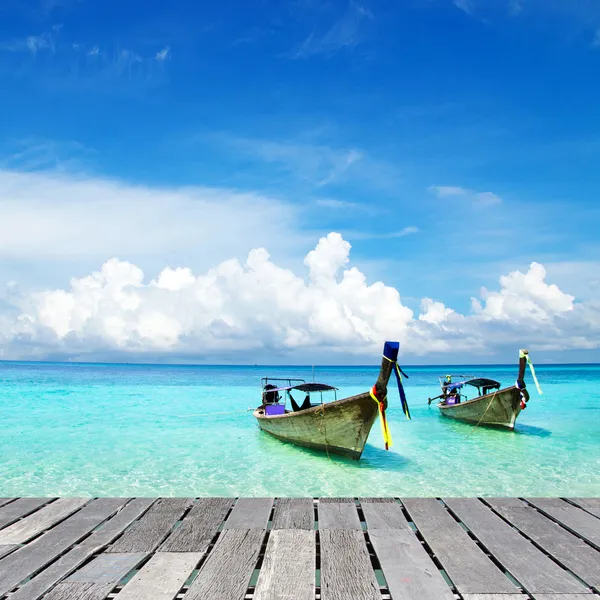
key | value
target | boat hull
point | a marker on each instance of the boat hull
(341, 427)
(499, 409)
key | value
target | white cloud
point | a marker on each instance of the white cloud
(345, 33)
(163, 54)
(77, 220)
(464, 5)
(256, 305)
(480, 199)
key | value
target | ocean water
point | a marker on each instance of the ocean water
(124, 430)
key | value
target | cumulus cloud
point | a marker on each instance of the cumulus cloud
(256, 305)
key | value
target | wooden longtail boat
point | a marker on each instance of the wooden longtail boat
(337, 427)
(492, 406)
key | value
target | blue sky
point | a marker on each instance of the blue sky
(450, 142)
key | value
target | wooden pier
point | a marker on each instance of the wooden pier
(299, 548)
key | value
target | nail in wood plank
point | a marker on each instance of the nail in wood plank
(20, 508)
(346, 570)
(250, 513)
(408, 569)
(227, 571)
(528, 565)
(98, 578)
(471, 571)
(146, 534)
(199, 526)
(30, 526)
(22, 563)
(340, 514)
(567, 549)
(294, 513)
(573, 518)
(384, 515)
(288, 569)
(161, 577)
(41, 583)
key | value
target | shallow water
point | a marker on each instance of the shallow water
(123, 430)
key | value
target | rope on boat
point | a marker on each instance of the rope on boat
(482, 416)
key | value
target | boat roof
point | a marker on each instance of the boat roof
(305, 387)
(475, 382)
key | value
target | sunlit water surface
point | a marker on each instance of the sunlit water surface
(122, 430)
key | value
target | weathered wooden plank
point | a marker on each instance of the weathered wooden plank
(162, 576)
(30, 526)
(338, 515)
(199, 526)
(567, 549)
(592, 505)
(534, 570)
(98, 578)
(573, 518)
(20, 508)
(4, 550)
(471, 571)
(294, 513)
(496, 597)
(4, 501)
(384, 515)
(408, 569)
(346, 570)
(226, 573)
(15, 567)
(146, 534)
(562, 597)
(288, 569)
(39, 585)
(250, 513)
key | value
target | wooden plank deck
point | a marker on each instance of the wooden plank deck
(299, 549)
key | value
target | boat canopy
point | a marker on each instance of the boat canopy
(306, 387)
(483, 383)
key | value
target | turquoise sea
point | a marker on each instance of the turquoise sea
(139, 430)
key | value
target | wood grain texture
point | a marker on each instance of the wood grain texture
(592, 505)
(338, 515)
(288, 569)
(496, 597)
(563, 597)
(346, 570)
(227, 571)
(408, 569)
(384, 515)
(20, 508)
(39, 585)
(250, 513)
(199, 526)
(161, 577)
(294, 513)
(4, 550)
(146, 534)
(535, 571)
(97, 579)
(39, 521)
(575, 519)
(569, 550)
(471, 571)
(15, 567)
